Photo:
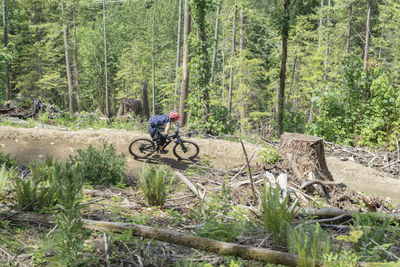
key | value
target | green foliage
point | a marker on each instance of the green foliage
(7, 159)
(83, 120)
(309, 242)
(154, 184)
(268, 155)
(101, 167)
(343, 259)
(219, 231)
(5, 176)
(353, 237)
(383, 114)
(70, 233)
(365, 104)
(217, 122)
(372, 234)
(44, 118)
(276, 215)
(175, 218)
(219, 219)
(39, 190)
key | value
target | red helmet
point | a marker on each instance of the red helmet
(174, 115)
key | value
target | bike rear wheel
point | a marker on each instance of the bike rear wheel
(142, 148)
(186, 150)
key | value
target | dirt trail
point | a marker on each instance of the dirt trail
(35, 143)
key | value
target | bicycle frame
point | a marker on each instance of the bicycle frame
(175, 137)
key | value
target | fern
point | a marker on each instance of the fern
(153, 183)
(277, 216)
(309, 242)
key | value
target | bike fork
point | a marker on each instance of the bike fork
(184, 149)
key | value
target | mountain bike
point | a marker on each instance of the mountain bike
(143, 148)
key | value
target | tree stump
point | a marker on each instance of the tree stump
(306, 157)
(130, 105)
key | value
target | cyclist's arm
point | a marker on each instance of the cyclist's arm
(167, 128)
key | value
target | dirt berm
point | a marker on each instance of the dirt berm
(35, 143)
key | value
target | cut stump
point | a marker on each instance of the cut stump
(306, 157)
(306, 154)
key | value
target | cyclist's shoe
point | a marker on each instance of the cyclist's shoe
(163, 151)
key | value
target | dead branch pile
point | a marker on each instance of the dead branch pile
(385, 161)
(25, 110)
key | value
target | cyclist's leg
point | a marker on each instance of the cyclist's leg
(151, 131)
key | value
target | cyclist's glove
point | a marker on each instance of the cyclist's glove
(166, 136)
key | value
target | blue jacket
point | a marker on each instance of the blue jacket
(159, 120)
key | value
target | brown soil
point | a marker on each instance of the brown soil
(35, 143)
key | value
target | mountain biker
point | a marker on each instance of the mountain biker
(159, 123)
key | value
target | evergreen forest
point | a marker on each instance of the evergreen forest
(326, 68)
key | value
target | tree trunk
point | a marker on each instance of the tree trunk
(5, 28)
(206, 67)
(215, 50)
(153, 75)
(67, 61)
(178, 52)
(367, 31)
(185, 62)
(145, 101)
(282, 74)
(243, 110)
(327, 52)
(349, 28)
(75, 62)
(232, 58)
(321, 22)
(206, 244)
(107, 97)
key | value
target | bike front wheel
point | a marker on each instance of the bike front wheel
(186, 150)
(142, 148)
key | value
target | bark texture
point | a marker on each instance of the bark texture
(306, 154)
(233, 54)
(185, 62)
(68, 62)
(5, 32)
(145, 101)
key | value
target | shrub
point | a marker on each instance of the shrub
(371, 235)
(309, 242)
(101, 167)
(277, 215)
(268, 155)
(39, 190)
(153, 183)
(70, 233)
(9, 160)
(343, 259)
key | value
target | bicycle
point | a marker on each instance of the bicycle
(143, 148)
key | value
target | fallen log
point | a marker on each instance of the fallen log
(206, 244)
(334, 212)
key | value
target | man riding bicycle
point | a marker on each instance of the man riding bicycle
(160, 123)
